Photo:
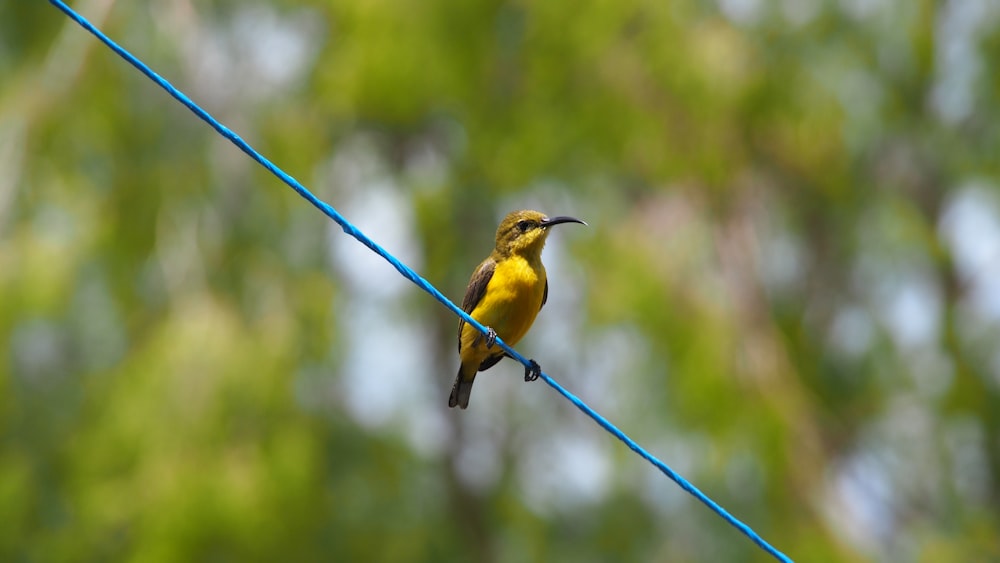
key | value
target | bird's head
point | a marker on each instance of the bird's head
(524, 232)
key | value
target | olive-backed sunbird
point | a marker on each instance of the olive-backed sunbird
(505, 294)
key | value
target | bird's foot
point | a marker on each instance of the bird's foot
(491, 337)
(532, 372)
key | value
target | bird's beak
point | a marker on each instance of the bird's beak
(561, 219)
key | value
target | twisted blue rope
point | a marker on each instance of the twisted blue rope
(413, 276)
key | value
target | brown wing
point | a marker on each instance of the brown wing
(474, 293)
(545, 296)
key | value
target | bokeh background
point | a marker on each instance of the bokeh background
(789, 289)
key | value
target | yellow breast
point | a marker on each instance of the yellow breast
(512, 300)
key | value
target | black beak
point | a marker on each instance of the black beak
(561, 219)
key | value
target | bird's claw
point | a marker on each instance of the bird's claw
(491, 337)
(532, 372)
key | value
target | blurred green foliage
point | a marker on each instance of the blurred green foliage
(788, 290)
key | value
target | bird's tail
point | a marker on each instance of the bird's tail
(461, 391)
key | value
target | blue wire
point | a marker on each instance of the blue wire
(413, 276)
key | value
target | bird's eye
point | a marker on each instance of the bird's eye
(523, 226)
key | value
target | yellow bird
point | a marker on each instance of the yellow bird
(505, 294)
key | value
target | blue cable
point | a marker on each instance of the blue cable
(413, 276)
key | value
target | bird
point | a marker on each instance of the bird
(505, 294)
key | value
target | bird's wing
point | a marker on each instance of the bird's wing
(492, 361)
(475, 292)
(545, 296)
